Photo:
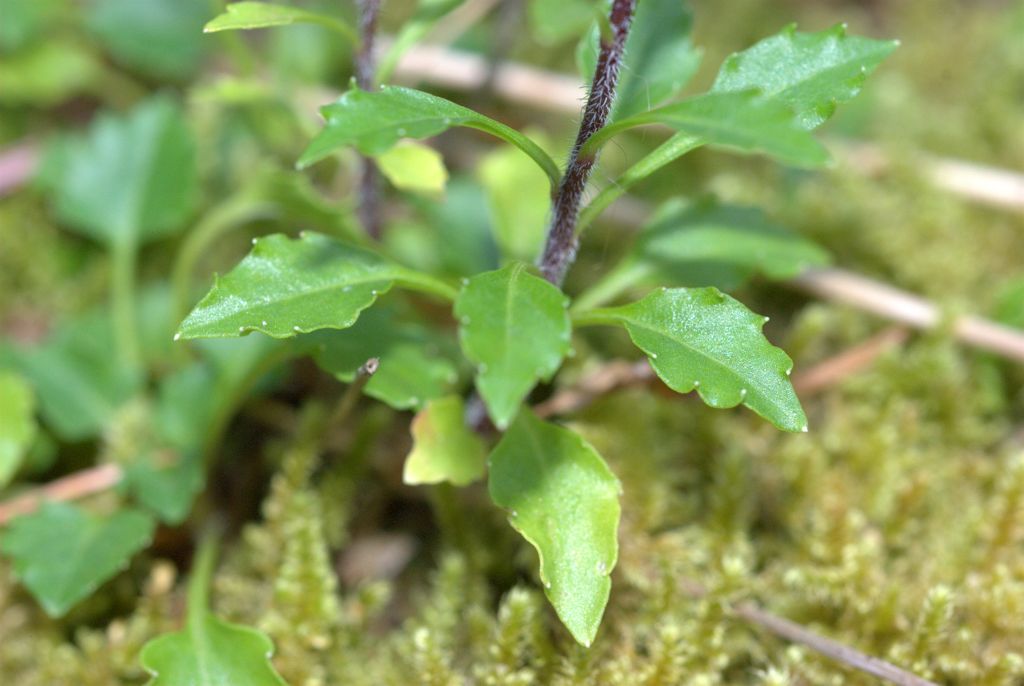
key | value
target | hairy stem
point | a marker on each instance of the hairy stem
(366, 76)
(560, 250)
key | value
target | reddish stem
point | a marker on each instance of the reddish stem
(366, 76)
(560, 250)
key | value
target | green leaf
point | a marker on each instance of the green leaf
(62, 553)
(554, 21)
(48, 73)
(514, 327)
(428, 12)
(78, 383)
(810, 72)
(686, 240)
(413, 368)
(209, 651)
(414, 167)
(443, 447)
(128, 179)
(375, 121)
(706, 244)
(701, 338)
(744, 121)
(157, 37)
(166, 483)
(17, 423)
(261, 15)
(287, 286)
(194, 402)
(520, 200)
(24, 21)
(660, 59)
(459, 231)
(564, 500)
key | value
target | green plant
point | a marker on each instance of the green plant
(464, 341)
(515, 326)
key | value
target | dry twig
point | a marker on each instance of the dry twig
(71, 487)
(851, 657)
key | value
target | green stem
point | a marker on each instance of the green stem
(451, 520)
(199, 581)
(669, 151)
(218, 424)
(236, 210)
(424, 283)
(122, 295)
(598, 317)
(620, 279)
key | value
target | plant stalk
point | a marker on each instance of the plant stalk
(560, 249)
(122, 293)
(366, 76)
(353, 392)
(198, 593)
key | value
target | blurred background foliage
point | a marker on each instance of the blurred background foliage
(895, 526)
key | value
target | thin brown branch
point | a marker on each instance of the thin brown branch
(834, 650)
(617, 374)
(366, 77)
(838, 285)
(847, 363)
(827, 647)
(71, 487)
(601, 381)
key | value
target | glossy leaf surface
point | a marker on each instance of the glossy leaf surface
(128, 179)
(443, 447)
(375, 121)
(17, 423)
(514, 327)
(288, 286)
(261, 15)
(742, 120)
(61, 553)
(809, 72)
(700, 338)
(564, 500)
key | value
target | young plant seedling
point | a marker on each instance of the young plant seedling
(515, 324)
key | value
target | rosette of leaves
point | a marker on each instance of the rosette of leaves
(515, 328)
